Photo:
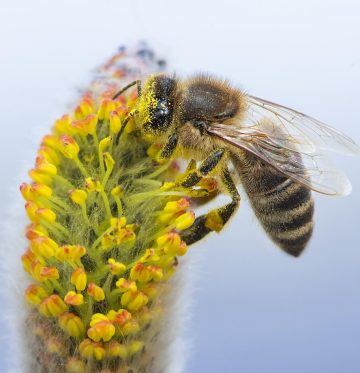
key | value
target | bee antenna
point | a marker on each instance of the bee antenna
(135, 82)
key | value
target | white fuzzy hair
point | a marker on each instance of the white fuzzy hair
(13, 278)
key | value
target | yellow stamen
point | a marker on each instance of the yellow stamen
(96, 292)
(71, 324)
(52, 306)
(73, 299)
(79, 279)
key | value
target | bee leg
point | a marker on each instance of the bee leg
(206, 167)
(215, 219)
(138, 84)
(170, 146)
(124, 124)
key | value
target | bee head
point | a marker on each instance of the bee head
(156, 104)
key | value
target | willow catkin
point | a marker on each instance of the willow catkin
(104, 236)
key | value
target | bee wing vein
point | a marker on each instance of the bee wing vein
(315, 171)
(305, 130)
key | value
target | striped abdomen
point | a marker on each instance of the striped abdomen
(284, 208)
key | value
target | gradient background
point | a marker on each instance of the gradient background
(254, 309)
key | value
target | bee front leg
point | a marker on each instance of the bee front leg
(169, 148)
(215, 219)
(124, 124)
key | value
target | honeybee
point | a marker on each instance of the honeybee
(279, 154)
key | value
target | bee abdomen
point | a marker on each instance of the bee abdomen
(290, 221)
(284, 208)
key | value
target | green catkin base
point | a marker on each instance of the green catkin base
(133, 165)
(104, 239)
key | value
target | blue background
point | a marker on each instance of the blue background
(253, 308)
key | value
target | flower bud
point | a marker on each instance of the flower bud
(35, 294)
(52, 306)
(68, 147)
(134, 300)
(73, 299)
(101, 328)
(116, 349)
(78, 278)
(86, 126)
(78, 196)
(116, 268)
(70, 253)
(92, 350)
(44, 246)
(185, 220)
(71, 324)
(96, 292)
(115, 122)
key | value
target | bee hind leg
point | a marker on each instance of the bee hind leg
(215, 219)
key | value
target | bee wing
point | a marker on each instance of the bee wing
(298, 131)
(315, 170)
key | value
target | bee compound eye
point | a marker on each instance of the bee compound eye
(159, 120)
(161, 112)
(160, 117)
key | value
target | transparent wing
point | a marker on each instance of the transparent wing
(295, 130)
(313, 170)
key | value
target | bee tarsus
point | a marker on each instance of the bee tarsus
(215, 219)
(169, 147)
